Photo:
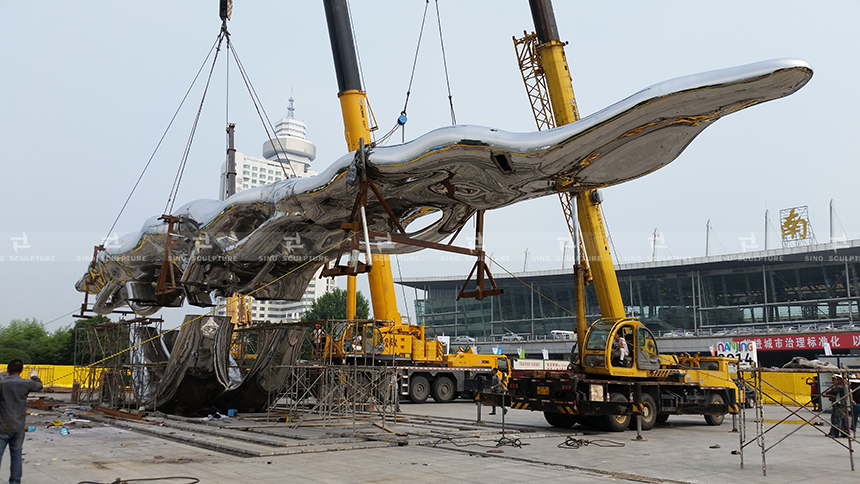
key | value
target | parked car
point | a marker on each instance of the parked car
(463, 339)
(511, 337)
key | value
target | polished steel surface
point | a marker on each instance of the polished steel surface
(248, 242)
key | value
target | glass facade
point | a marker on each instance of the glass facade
(812, 287)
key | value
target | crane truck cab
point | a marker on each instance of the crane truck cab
(597, 357)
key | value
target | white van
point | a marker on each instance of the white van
(559, 334)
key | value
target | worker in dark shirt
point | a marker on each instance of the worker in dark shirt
(498, 387)
(840, 398)
(13, 412)
(854, 384)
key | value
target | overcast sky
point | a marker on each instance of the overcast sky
(88, 88)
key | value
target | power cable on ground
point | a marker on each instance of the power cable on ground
(189, 480)
(572, 442)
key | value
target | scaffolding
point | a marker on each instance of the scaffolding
(280, 369)
(328, 389)
(764, 389)
(103, 353)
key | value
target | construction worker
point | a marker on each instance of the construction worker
(318, 340)
(394, 389)
(814, 395)
(497, 388)
(854, 385)
(13, 413)
(619, 350)
(839, 397)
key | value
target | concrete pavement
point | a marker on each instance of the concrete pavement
(429, 443)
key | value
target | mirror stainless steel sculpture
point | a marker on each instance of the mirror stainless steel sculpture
(198, 375)
(247, 242)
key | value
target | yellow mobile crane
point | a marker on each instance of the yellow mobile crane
(599, 387)
(420, 361)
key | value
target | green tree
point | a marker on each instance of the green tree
(332, 305)
(7, 354)
(27, 335)
(28, 340)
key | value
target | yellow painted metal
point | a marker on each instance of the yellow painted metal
(403, 345)
(419, 350)
(710, 371)
(382, 290)
(64, 376)
(560, 88)
(239, 309)
(558, 82)
(554, 73)
(599, 258)
(626, 327)
(353, 105)
(469, 358)
(351, 302)
(356, 121)
(784, 388)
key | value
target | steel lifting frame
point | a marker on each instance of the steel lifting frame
(355, 227)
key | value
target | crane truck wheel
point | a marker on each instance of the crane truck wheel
(715, 419)
(649, 413)
(560, 420)
(616, 423)
(443, 390)
(419, 389)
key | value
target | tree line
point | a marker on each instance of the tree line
(28, 340)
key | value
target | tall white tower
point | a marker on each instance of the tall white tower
(288, 155)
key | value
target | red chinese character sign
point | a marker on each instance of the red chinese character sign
(804, 342)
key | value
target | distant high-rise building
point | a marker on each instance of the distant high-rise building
(288, 155)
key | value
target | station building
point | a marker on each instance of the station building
(774, 297)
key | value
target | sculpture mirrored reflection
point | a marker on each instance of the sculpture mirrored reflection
(247, 242)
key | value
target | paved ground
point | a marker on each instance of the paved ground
(443, 443)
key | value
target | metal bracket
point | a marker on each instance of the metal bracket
(167, 264)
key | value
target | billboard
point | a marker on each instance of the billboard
(743, 350)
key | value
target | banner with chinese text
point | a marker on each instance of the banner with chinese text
(804, 342)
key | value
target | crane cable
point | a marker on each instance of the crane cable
(403, 288)
(401, 121)
(174, 190)
(261, 111)
(445, 64)
(160, 141)
(412, 75)
(532, 288)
